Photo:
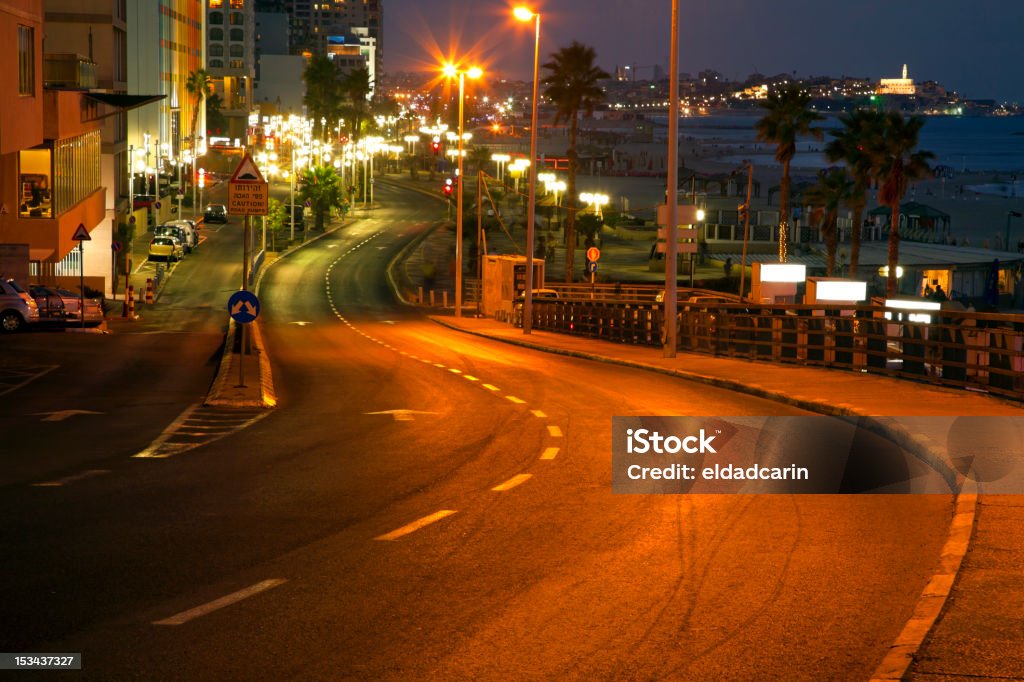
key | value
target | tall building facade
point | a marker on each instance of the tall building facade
(316, 25)
(231, 60)
(166, 43)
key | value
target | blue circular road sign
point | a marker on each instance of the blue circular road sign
(244, 307)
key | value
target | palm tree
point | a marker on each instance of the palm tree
(850, 145)
(198, 85)
(572, 85)
(834, 189)
(788, 117)
(321, 186)
(896, 164)
(357, 85)
(323, 90)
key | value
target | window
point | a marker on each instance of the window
(216, 50)
(26, 61)
(216, 17)
(35, 174)
(216, 4)
(237, 19)
(237, 51)
(216, 63)
(237, 4)
(216, 34)
(237, 34)
(237, 64)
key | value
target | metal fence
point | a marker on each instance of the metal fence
(979, 351)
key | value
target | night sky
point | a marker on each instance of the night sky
(971, 47)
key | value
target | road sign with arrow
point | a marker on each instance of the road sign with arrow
(244, 307)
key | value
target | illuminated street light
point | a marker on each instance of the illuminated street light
(522, 13)
(474, 72)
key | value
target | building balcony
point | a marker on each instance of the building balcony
(68, 72)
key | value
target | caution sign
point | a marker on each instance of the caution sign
(248, 192)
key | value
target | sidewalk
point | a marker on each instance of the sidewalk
(977, 592)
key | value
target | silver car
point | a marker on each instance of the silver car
(16, 307)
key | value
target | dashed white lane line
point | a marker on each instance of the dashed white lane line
(549, 453)
(518, 479)
(554, 431)
(513, 399)
(439, 365)
(416, 525)
(89, 473)
(454, 371)
(491, 387)
(216, 604)
(469, 377)
(538, 414)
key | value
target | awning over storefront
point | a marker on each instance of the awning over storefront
(121, 102)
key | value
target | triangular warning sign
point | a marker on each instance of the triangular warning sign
(247, 171)
(81, 234)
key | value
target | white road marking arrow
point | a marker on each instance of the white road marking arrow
(62, 415)
(401, 415)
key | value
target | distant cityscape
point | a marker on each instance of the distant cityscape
(633, 88)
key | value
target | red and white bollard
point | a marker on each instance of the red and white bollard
(149, 291)
(130, 302)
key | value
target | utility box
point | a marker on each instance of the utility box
(504, 282)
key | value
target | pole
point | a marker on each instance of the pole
(671, 309)
(81, 281)
(157, 192)
(245, 287)
(746, 226)
(458, 208)
(291, 193)
(532, 194)
(479, 242)
(131, 181)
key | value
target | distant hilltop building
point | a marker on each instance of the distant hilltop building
(897, 86)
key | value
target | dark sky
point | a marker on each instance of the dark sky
(972, 46)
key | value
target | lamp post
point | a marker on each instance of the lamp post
(474, 72)
(525, 14)
(672, 247)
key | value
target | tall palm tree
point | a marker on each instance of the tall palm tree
(834, 189)
(322, 187)
(896, 164)
(198, 85)
(850, 144)
(323, 90)
(357, 86)
(572, 85)
(788, 117)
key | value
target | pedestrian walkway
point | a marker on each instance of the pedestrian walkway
(980, 632)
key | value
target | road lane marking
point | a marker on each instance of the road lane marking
(469, 377)
(90, 473)
(554, 431)
(518, 479)
(217, 604)
(491, 387)
(437, 364)
(538, 414)
(416, 525)
(455, 371)
(549, 453)
(517, 401)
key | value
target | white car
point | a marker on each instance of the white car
(190, 231)
(17, 308)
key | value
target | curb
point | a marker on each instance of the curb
(267, 396)
(932, 602)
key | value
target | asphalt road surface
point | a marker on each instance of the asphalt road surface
(430, 505)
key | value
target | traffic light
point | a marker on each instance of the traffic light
(436, 146)
(448, 188)
(742, 212)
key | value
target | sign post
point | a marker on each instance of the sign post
(81, 236)
(248, 195)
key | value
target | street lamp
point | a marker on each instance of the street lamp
(522, 13)
(474, 72)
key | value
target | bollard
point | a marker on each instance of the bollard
(431, 298)
(444, 298)
(130, 302)
(149, 291)
(420, 296)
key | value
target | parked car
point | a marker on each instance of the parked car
(176, 231)
(61, 304)
(191, 238)
(167, 248)
(216, 213)
(143, 201)
(17, 308)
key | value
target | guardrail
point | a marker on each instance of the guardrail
(978, 351)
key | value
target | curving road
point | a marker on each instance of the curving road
(431, 505)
